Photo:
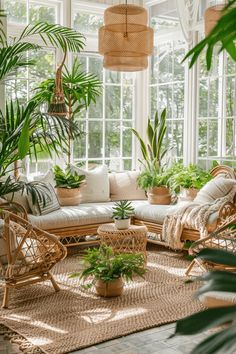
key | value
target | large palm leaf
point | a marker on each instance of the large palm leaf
(80, 89)
(224, 33)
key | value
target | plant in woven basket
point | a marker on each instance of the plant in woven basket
(222, 340)
(108, 270)
(155, 181)
(188, 180)
(122, 211)
(68, 185)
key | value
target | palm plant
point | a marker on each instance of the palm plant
(224, 33)
(80, 89)
(24, 130)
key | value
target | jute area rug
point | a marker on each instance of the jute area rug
(75, 318)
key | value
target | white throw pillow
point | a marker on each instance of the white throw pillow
(19, 197)
(48, 177)
(96, 188)
(218, 187)
(123, 186)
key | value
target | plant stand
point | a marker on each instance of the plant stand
(131, 240)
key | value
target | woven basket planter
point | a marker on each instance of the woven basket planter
(109, 289)
(68, 196)
(159, 195)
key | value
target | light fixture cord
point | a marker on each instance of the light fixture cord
(126, 19)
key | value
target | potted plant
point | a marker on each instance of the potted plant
(155, 182)
(122, 211)
(187, 181)
(68, 185)
(109, 270)
(153, 179)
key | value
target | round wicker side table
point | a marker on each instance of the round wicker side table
(132, 240)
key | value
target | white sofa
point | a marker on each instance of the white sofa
(72, 223)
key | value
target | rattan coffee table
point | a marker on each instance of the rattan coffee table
(131, 240)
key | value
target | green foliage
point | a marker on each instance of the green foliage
(191, 176)
(154, 151)
(25, 131)
(153, 176)
(224, 33)
(67, 179)
(122, 210)
(102, 263)
(223, 341)
(80, 89)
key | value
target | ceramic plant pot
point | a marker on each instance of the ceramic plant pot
(109, 289)
(68, 196)
(187, 194)
(122, 224)
(159, 195)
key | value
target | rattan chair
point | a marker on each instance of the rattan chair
(224, 237)
(27, 254)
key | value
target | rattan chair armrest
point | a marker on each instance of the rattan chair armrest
(11, 206)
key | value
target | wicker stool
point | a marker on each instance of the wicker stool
(131, 240)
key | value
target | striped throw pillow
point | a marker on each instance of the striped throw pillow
(50, 202)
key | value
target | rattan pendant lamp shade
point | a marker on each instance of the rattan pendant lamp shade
(125, 40)
(212, 16)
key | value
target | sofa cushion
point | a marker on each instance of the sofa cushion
(48, 177)
(157, 213)
(83, 214)
(218, 187)
(49, 205)
(123, 186)
(96, 188)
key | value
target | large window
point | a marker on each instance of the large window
(108, 139)
(217, 112)
(166, 82)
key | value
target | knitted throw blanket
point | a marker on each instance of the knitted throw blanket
(191, 216)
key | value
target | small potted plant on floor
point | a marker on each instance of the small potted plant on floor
(155, 181)
(187, 181)
(109, 270)
(122, 211)
(68, 184)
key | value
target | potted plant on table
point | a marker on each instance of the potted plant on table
(122, 211)
(187, 181)
(68, 184)
(109, 270)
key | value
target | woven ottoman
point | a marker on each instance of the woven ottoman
(131, 240)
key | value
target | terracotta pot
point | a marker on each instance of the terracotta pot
(187, 194)
(159, 195)
(122, 224)
(68, 196)
(109, 289)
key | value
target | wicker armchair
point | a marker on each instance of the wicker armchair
(27, 253)
(224, 237)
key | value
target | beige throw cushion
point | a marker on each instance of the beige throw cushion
(218, 187)
(96, 188)
(123, 186)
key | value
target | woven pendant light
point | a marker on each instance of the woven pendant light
(125, 40)
(57, 107)
(212, 16)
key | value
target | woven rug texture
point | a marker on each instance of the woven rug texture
(75, 318)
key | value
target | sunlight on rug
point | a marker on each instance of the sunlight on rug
(76, 318)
